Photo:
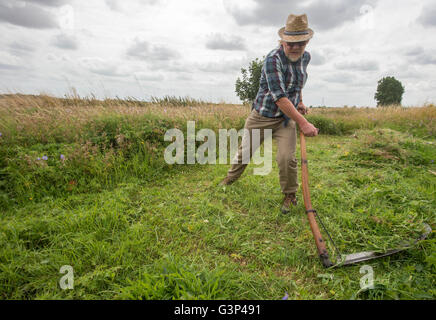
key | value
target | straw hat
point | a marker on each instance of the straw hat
(296, 29)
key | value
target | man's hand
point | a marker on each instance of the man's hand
(289, 109)
(309, 129)
(302, 108)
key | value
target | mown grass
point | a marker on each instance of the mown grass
(134, 227)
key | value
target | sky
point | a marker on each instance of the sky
(140, 49)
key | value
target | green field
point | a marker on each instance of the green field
(133, 227)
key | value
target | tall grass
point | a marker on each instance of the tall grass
(91, 143)
(83, 182)
(419, 121)
(177, 101)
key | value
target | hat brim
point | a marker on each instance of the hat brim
(298, 38)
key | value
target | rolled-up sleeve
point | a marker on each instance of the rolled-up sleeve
(274, 78)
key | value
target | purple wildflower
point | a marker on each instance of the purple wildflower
(38, 158)
(62, 157)
(432, 161)
(286, 296)
(0, 134)
(44, 158)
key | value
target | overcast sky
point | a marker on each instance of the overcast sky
(196, 48)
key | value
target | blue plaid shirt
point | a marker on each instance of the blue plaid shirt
(280, 78)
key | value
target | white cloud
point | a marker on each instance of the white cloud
(362, 65)
(149, 76)
(141, 48)
(104, 67)
(219, 41)
(65, 41)
(7, 59)
(147, 51)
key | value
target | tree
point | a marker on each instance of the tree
(247, 88)
(389, 91)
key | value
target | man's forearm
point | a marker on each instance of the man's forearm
(288, 108)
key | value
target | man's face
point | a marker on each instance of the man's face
(294, 50)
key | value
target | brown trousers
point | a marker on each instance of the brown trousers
(286, 138)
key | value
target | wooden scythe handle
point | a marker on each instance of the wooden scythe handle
(320, 244)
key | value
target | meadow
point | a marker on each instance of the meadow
(83, 182)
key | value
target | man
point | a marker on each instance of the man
(278, 106)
